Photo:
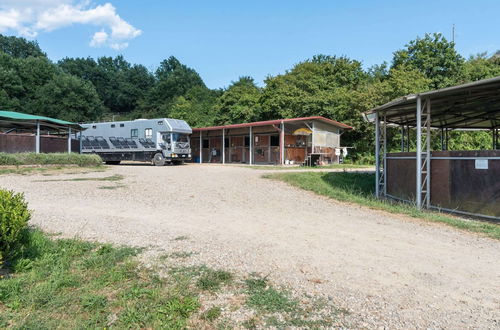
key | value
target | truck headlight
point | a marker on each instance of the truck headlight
(189, 155)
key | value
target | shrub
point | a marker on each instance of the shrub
(30, 158)
(14, 216)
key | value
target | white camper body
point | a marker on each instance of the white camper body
(162, 140)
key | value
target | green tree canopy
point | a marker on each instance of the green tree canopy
(20, 47)
(435, 57)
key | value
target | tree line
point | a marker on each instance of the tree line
(337, 87)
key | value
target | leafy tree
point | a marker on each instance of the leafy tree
(173, 79)
(480, 67)
(435, 57)
(68, 97)
(239, 103)
(20, 47)
(197, 107)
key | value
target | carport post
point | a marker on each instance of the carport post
(69, 139)
(282, 143)
(250, 153)
(223, 146)
(201, 149)
(377, 155)
(37, 138)
(419, 154)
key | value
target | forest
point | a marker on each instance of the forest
(336, 87)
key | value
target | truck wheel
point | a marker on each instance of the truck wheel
(158, 160)
(112, 162)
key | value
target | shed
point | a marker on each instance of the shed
(307, 140)
(460, 181)
(21, 132)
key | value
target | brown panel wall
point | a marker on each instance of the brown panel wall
(455, 184)
(15, 143)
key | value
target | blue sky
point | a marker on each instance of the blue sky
(223, 40)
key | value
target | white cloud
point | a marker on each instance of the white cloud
(30, 17)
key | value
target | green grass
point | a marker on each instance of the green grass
(50, 159)
(306, 168)
(70, 283)
(359, 188)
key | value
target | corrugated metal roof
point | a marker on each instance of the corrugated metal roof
(46, 121)
(472, 105)
(275, 122)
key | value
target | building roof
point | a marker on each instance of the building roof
(474, 105)
(11, 119)
(276, 122)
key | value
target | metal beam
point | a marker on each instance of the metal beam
(377, 154)
(419, 155)
(250, 152)
(201, 149)
(69, 139)
(37, 138)
(282, 143)
(223, 146)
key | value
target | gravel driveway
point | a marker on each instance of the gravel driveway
(387, 270)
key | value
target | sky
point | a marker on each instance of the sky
(223, 40)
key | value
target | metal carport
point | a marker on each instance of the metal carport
(472, 106)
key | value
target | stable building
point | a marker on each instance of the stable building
(308, 141)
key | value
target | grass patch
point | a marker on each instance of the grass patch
(211, 314)
(212, 280)
(81, 160)
(115, 177)
(359, 188)
(306, 168)
(265, 298)
(69, 283)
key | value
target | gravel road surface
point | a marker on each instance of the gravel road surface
(387, 270)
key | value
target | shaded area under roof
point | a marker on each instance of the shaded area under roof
(276, 122)
(11, 119)
(474, 105)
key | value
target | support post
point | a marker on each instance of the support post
(494, 138)
(69, 139)
(402, 138)
(428, 155)
(37, 138)
(80, 141)
(282, 143)
(442, 139)
(201, 149)
(312, 139)
(223, 146)
(250, 152)
(419, 154)
(408, 138)
(377, 155)
(384, 174)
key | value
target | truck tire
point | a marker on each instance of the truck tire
(158, 159)
(112, 162)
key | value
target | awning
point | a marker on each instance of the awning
(474, 105)
(11, 119)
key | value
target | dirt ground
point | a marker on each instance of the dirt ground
(387, 270)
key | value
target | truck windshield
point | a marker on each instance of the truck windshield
(177, 137)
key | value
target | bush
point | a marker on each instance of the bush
(31, 158)
(14, 216)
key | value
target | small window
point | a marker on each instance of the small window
(205, 143)
(148, 133)
(247, 141)
(134, 133)
(112, 125)
(122, 125)
(275, 141)
(160, 122)
(226, 142)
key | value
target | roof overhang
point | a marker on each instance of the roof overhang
(10, 119)
(277, 122)
(474, 105)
